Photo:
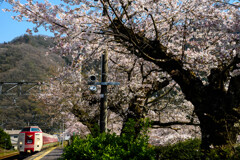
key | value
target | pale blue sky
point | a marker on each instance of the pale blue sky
(9, 28)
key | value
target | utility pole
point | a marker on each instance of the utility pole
(103, 95)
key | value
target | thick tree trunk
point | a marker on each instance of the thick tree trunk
(216, 119)
(216, 131)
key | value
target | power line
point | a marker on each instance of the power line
(18, 88)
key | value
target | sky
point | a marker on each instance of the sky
(10, 29)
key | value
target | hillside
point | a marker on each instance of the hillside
(25, 59)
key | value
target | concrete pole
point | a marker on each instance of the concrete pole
(103, 105)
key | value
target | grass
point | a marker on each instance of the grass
(4, 152)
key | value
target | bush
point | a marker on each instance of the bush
(224, 153)
(5, 141)
(190, 149)
(110, 146)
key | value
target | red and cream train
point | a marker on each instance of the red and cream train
(32, 139)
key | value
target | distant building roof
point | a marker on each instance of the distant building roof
(31, 127)
(12, 132)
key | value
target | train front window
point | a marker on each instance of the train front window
(35, 129)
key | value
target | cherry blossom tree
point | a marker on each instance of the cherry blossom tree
(193, 43)
(68, 92)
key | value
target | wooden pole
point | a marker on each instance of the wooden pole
(103, 105)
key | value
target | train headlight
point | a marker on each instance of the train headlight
(20, 143)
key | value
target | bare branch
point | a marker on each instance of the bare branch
(157, 124)
(161, 96)
(155, 27)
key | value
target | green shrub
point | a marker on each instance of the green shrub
(237, 152)
(110, 146)
(189, 149)
(5, 141)
(221, 153)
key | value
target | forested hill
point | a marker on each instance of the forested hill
(25, 59)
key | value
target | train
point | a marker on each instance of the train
(32, 139)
